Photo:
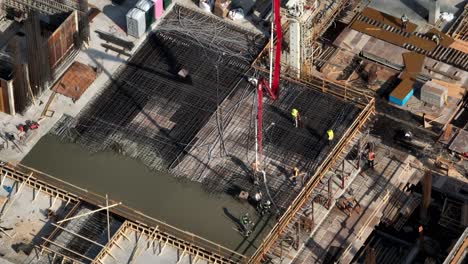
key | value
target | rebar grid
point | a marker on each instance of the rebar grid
(285, 146)
(92, 227)
(151, 113)
(203, 128)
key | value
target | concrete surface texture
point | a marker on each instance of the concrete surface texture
(184, 205)
(24, 212)
(139, 249)
(415, 10)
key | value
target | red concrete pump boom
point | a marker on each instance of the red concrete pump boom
(273, 91)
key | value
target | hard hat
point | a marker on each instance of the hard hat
(294, 112)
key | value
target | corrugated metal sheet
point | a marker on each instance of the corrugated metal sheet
(61, 41)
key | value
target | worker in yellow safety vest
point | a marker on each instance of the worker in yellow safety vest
(330, 135)
(296, 117)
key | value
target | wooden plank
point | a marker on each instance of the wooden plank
(402, 90)
(387, 19)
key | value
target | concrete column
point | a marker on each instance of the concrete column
(434, 11)
(295, 46)
(11, 97)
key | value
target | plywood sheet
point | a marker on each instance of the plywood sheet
(460, 143)
(454, 90)
(446, 39)
(413, 63)
(75, 81)
(402, 90)
(379, 33)
(387, 19)
(460, 45)
(422, 43)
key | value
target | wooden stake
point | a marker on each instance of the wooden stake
(88, 213)
(67, 249)
(108, 224)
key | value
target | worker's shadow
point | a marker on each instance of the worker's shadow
(280, 112)
(233, 218)
(241, 164)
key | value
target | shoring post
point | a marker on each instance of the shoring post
(358, 165)
(312, 217)
(343, 176)
(298, 232)
(330, 182)
(107, 218)
(342, 180)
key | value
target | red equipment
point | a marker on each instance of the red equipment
(30, 125)
(279, 37)
(273, 91)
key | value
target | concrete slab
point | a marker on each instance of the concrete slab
(25, 212)
(139, 249)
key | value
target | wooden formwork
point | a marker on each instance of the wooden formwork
(62, 40)
(459, 28)
(120, 233)
(154, 235)
(12, 172)
(290, 214)
(188, 242)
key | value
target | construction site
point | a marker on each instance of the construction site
(226, 131)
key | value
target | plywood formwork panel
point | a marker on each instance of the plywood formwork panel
(61, 41)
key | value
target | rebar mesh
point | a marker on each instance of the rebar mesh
(202, 127)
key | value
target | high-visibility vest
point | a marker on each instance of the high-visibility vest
(296, 172)
(330, 134)
(295, 112)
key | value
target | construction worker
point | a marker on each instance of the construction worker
(371, 158)
(264, 208)
(246, 222)
(404, 22)
(296, 173)
(436, 38)
(330, 135)
(296, 117)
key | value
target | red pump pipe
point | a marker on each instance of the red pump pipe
(279, 40)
